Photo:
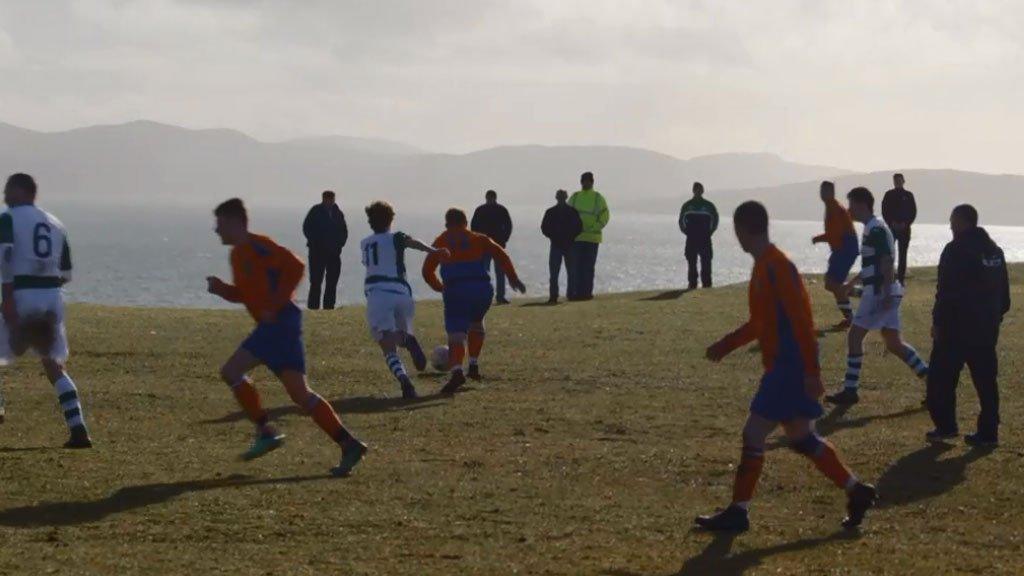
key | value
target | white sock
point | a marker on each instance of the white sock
(851, 483)
(67, 395)
(744, 505)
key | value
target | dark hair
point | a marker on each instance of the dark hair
(233, 208)
(380, 214)
(328, 194)
(22, 182)
(862, 195)
(698, 186)
(898, 175)
(967, 213)
(455, 218)
(828, 185)
(752, 217)
(587, 176)
(491, 194)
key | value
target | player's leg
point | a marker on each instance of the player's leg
(476, 336)
(70, 403)
(854, 359)
(405, 317)
(804, 440)
(389, 346)
(895, 344)
(323, 414)
(234, 373)
(734, 518)
(943, 377)
(836, 287)
(456, 357)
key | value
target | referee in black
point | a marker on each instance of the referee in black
(972, 297)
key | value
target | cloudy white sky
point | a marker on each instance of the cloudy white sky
(861, 84)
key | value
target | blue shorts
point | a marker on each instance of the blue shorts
(781, 396)
(279, 345)
(466, 303)
(841, 261)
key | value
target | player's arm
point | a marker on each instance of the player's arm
(797, 307)
(65, 262)
(430, 264)
(10, 313)
(742, 336)
(414, 244)
(501, 257)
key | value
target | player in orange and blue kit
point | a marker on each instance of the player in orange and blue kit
(465, 285)
(780, 321)
(842, 240)
(265, 276)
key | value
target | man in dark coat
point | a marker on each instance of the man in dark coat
(493, 220)
(972, 297)
(698, 220)
(899, 210)
(326, 233)
(561, 225)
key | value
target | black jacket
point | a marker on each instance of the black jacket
(561, 224)
(973, 291)
(899, 206)
(492, 220)
(325, 229)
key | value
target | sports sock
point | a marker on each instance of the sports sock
(476, 345)
(67, 395)
(395, 365)
(853, 364)
(915, 362)
(747, 474)
(845, 308)
(326, 418)
(249, 399)
(827, 461)
(456, 354)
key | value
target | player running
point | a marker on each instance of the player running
(882, 295)
(842, 240)
(35, 262)
(389, 305)
(781, 322)
(466, 288)
(265, 276)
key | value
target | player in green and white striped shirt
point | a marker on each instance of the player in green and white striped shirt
(880, 303)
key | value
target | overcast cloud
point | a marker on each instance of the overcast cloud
(862, 85)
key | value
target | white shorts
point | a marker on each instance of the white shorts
(389, 312)
(873, 315)
(32, 302)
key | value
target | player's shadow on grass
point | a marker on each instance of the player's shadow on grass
(835, 421)
(922, 474)
(128, 498)
(357, 405)
(669, 295)
(717, 557)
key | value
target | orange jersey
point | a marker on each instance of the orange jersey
(468, 260)
(780, 315)
(265, 275)
(838, 224)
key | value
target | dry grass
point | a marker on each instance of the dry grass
(598, 435)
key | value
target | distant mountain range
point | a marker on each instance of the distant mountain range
(146, 161)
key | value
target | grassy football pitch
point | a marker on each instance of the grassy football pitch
(599, 433)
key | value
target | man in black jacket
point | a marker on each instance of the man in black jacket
(493, 220)
(326, 233)
(561, 225)
(972, 297)
(899, 210)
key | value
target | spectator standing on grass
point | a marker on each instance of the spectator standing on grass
(493, 220)
(593, 211)
(326, 234)
(698, 220)
(899, 210)
(561, 225)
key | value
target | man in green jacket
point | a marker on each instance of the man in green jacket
(698, 220)
(593, 211)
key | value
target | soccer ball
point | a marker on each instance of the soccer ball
(439, 358)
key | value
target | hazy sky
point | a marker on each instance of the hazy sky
(859, 84)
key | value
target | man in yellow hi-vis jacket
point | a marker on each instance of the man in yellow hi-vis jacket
(593, 211)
